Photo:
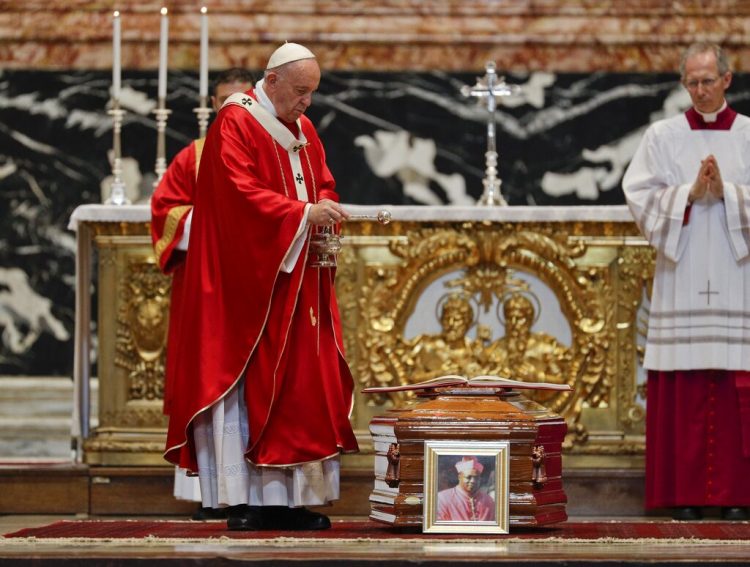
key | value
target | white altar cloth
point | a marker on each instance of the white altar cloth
(419, 213)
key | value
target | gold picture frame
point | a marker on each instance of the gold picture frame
(466, 487)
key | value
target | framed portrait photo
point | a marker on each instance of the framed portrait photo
(466, 487)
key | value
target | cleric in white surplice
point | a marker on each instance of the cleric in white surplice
(688, 187)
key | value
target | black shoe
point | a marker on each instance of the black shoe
(687, 513)
(296, 519)
(735, 514)
(210, 514)
(244, 518)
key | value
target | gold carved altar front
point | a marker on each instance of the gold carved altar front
(598, 274)
(132, 322)
(487, 287)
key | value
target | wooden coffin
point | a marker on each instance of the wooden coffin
(535, 436)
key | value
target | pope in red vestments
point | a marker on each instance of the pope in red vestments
(255, 311)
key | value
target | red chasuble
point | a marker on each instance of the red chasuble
(698, 423)
(244, 316)
(170, 205)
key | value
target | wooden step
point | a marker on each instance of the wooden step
(144, 491)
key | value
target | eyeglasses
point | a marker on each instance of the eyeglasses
(705, 83)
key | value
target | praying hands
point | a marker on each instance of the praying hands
(708, 181)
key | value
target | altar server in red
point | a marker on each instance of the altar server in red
(688, 187)
(263, 392)
(171, 213)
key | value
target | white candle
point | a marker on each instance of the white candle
(163, 54)
(116, 56)
(203, 90)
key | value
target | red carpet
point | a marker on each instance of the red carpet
(123, 529)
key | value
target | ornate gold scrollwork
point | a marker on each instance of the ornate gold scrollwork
(142, 323)
(636, 265)
(489, 256)
(346, 292)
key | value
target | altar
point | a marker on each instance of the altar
(553, 294)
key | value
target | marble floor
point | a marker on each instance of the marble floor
(429, 552)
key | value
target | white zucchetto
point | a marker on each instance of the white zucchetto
(287, 53)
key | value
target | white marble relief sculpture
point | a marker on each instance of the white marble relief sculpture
(24, 314)
(531, 92)
(136, 101)
(412, 161)
(588, 182)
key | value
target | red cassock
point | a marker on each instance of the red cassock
(243, 316)
(170, 204)
(698, 438)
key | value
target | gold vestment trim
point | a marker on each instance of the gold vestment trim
(198, 152)
(170, 229)
(171, 224)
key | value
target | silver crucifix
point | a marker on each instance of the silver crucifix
(489, 88)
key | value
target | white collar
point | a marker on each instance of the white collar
(263, 98)
(709, 117)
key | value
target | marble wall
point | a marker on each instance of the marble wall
(390, 112)
(390, 35)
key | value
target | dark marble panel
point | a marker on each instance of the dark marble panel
(394, 138)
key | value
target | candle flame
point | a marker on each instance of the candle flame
(164, 11)
(204, 10)
(116, 14)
